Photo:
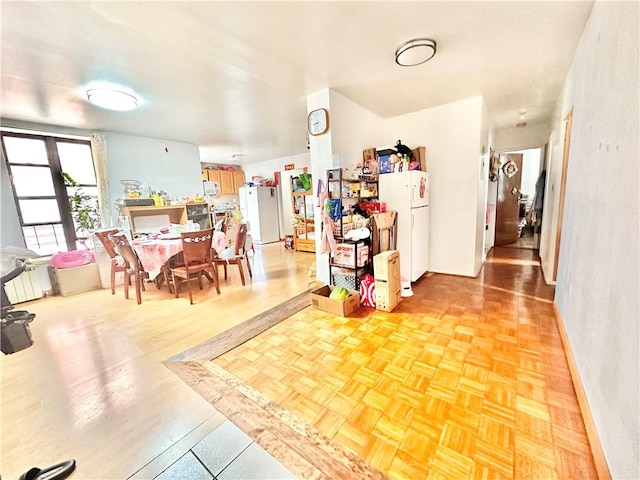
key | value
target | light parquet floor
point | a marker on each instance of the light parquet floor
(466, 379)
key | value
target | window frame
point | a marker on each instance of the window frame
(60, 189)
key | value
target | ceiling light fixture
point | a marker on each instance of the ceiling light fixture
(416, 51)
(112, 99)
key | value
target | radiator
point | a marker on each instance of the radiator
(24, 287)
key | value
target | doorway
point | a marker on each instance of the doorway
(517, 219)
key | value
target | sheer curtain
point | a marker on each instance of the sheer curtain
(99, 152)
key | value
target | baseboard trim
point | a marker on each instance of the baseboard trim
(594, 440)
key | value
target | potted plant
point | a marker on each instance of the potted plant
(84, 209)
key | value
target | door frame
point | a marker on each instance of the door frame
(568, 121)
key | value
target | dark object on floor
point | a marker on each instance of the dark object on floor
(55, 472)
(15, 334)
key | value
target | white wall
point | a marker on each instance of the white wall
(165, 165)
(452, 136)
(598, 283)
(482, 171)
(532, 136)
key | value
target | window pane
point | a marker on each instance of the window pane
(32, 181)
(86, 191)
(26, 150)
(45, 239)
(76, 160)
(39, 211)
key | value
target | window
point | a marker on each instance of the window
(35, 164)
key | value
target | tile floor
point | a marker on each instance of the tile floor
(227, 453)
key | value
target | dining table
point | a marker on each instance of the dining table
(154, 253)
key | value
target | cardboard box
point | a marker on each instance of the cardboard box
(320, 300)
(388, 295)
(69, 281)
(420, 155)
(348, 255)
(386, 266)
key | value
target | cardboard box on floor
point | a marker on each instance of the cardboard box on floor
(320, 300)
(69, 281)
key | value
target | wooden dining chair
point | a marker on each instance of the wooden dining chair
(133, 268)
(196, 250)
(116, 266)
(234, 254)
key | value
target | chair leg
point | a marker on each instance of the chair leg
(246, 256)
(113, 277)
(225, 271)
(138, 279)
(189, 287)
(176, 288)
(216, 279)
(127, 279)
(241, 269)
(167, 280)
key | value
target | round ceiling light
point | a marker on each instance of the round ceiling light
(416, 51)
(112, 99)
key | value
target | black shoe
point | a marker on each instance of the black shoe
(55, 472)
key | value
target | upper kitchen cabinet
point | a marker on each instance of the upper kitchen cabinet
(238, 180)
(228, 181)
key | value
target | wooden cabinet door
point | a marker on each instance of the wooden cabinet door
(205, 174)
(214, 176)
(226, 183)
(238, 180)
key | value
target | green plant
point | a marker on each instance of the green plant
(84, 209)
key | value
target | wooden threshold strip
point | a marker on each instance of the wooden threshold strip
(295, 444)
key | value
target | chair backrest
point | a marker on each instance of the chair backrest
(104, 237)
(127, 252)
(196, 246)
(241, 238)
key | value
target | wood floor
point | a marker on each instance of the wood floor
(467, 379)
(93, 386)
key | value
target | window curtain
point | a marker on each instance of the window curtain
(99, 152)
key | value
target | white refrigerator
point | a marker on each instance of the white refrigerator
(408, 194)
(259, 207)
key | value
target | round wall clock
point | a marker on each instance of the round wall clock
(318, 121)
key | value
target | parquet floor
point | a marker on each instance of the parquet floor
(466, 379)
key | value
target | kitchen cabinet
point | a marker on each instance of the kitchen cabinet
(238, 180)
(229, 182)
(226, 183)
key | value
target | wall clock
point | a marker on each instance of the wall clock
(318, 121)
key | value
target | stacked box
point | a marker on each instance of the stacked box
(351, 254)
(386, 271)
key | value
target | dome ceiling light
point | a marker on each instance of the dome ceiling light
(416, 51)
(112, 99)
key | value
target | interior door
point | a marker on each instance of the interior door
(508, 204)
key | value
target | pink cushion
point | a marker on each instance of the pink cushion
(74, 258)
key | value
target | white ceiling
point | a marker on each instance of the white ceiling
(233, 77)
